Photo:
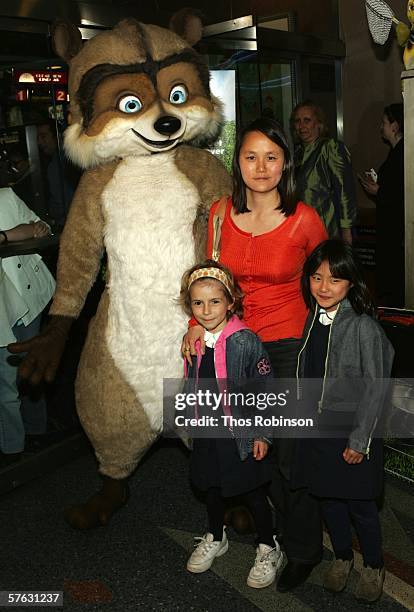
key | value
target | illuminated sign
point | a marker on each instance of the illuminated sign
(46, 77)
(22, 95)
(61, 95)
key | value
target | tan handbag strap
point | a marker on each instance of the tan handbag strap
(217, 223)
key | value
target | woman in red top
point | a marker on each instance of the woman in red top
(266, 236)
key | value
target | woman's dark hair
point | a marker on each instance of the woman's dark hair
(235, 296)
(395, 112)
(286, 188)
(343, 263)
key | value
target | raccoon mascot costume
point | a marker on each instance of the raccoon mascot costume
(140, 111)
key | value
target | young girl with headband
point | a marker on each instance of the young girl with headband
(228, 466)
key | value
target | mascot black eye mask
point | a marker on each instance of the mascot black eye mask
(140, 110)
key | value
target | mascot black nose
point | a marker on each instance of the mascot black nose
(167, 125)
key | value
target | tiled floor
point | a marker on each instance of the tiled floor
(138, 561)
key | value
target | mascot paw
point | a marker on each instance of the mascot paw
(240, 519)
(99, 509)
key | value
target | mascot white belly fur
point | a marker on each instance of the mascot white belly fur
(149, 245)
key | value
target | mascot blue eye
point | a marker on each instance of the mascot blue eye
(178, 95)
(130, 104)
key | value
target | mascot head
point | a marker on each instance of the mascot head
(135, 90)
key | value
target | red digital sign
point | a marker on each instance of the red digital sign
(41, 77)
(22, 95)
(61, 95)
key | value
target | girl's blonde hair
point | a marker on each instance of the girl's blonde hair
(232, 292)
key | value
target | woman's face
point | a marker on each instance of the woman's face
(261, 162)
(306, 124)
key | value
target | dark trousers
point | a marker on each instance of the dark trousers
(255, 500)
(297, 513)
(338, 514)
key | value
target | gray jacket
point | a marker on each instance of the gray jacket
(357, 370)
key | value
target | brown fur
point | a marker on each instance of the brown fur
(127, 43)
(201, 174)
(161, 43)
(99, 383)
(109, 92)
(122, 45)
(81, 244)
(178, 73)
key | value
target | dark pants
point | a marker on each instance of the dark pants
(258, 505)
(297, 513)
(338, 514)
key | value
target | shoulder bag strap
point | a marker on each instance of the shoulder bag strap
(217, 223)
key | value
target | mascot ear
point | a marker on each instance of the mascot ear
(66, 39)
(188, 23)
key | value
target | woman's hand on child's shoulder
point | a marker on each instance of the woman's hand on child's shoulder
(189, 341)
(260, 448)
(352, 457)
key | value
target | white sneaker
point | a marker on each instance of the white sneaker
(206, 551)
(268, 561)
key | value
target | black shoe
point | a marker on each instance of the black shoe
(10, 459)
(293, 575)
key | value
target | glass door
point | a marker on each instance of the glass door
(276, 67)
(265, 82)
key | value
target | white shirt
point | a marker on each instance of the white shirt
(210, 338)
(326, 318)
(26, 285)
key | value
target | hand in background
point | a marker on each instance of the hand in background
(40, 229)
(260, 449)
(352, 457)
(43, 351)
(368, 184)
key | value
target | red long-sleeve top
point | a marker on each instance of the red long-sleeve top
(268, 269)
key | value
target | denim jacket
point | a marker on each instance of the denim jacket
(238, 356)
(358, 363)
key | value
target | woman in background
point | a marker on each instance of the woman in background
(388, 193)
(324, 178)
(26, 287)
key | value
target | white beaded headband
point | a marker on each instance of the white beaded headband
(215, 273)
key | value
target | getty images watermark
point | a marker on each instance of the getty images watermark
(216, 404)
(215, 409)
(310, 408)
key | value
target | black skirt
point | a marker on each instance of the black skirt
(319, 464)
(215, 462)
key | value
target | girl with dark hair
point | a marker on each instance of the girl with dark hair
(266, 235)
(347, 352)
(343, 264)
(388, 193)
